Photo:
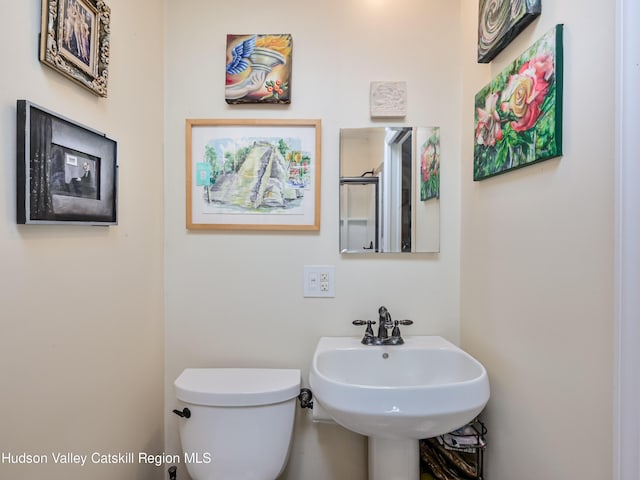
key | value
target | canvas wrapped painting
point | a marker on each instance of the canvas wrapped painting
(500, 21)
(518, 115)
(258, 68)
(429, 160)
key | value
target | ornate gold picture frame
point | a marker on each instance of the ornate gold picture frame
(74, 41)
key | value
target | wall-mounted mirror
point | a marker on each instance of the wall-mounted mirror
(389, 189)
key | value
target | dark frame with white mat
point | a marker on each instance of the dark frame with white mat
(67, 173)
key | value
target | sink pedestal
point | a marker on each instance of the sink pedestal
(394, 459)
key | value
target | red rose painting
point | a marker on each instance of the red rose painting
(518, 116)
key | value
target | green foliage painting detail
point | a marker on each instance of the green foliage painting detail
(518, 116)
(430, 166)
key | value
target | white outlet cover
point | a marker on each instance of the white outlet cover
(319, 281)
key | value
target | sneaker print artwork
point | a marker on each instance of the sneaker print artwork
(258, 69)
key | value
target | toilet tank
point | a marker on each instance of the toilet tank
(241, 422)
(237, 387)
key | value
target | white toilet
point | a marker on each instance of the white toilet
(240, 421)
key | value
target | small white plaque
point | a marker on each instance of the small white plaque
(388, 99)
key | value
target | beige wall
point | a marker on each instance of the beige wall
(537, 265)
(235, 299)
(81, 308)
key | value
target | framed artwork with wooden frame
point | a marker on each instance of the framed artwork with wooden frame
(74, 41)
(253, 174)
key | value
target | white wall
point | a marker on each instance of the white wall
(81, 308)
(537, 265)
(235, 299)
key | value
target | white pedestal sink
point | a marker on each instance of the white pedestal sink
(397, 394)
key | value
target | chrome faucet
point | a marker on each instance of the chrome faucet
(384, 324)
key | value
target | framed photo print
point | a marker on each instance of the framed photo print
(67, 173)
(253, 174)
(74, 41)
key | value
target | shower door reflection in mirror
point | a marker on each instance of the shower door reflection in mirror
(383, 171)
(359, 214)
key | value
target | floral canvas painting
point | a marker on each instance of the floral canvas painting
(258, 69)
(500, 21)
(518, 116)
(429, 159)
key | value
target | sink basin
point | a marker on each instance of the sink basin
(397, 394)
(424, 388)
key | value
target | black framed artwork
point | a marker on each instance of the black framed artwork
(66, 172)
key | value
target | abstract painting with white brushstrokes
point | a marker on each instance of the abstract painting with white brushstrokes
(500, 21)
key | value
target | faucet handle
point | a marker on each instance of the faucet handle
(360, 322)
(368, 333)
(396, 338)
(368, 323)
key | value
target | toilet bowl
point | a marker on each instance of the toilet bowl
(238, 422)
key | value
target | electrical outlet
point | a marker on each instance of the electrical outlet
(319, 281)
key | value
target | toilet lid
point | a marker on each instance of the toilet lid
(237, 387)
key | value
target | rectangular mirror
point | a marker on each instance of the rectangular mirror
(390, 190)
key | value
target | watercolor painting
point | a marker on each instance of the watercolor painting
(429, 158)
(518, 116)
(500, 21)
(253, 173)
(258, 69)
